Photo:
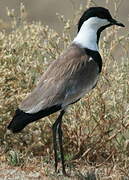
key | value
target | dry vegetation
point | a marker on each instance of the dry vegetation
(96, 135)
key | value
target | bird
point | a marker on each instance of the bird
(68, 78)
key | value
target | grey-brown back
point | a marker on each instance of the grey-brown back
(67, 79)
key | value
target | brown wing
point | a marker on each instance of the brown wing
(67, 79)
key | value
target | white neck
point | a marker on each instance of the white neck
(87, 36)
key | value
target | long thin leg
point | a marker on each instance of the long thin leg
(55, 128)
(60, 133)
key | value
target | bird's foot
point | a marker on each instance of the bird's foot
(65, 173)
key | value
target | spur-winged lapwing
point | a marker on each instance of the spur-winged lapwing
(68, 78)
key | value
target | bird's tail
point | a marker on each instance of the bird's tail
(22, 119)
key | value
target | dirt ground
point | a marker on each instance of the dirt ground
(37, 173)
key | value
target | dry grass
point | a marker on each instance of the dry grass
(96, 135)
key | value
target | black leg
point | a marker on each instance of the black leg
(55, 131)
(60, 133)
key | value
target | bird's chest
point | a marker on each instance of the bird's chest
(89, 75)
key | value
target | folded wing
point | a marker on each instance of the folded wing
(67, 79)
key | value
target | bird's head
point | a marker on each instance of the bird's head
(99, 18)
(91, 24)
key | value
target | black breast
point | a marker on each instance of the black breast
(96, 57)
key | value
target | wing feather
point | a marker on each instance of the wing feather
(67, 79)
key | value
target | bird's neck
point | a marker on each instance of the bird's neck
(87, 37)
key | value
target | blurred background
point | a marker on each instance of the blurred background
(45, 10)
(96, 129)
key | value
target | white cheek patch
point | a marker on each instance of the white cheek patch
(87, 36)
(97, 22)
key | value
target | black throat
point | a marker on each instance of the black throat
(96, 57)
(95, 54)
